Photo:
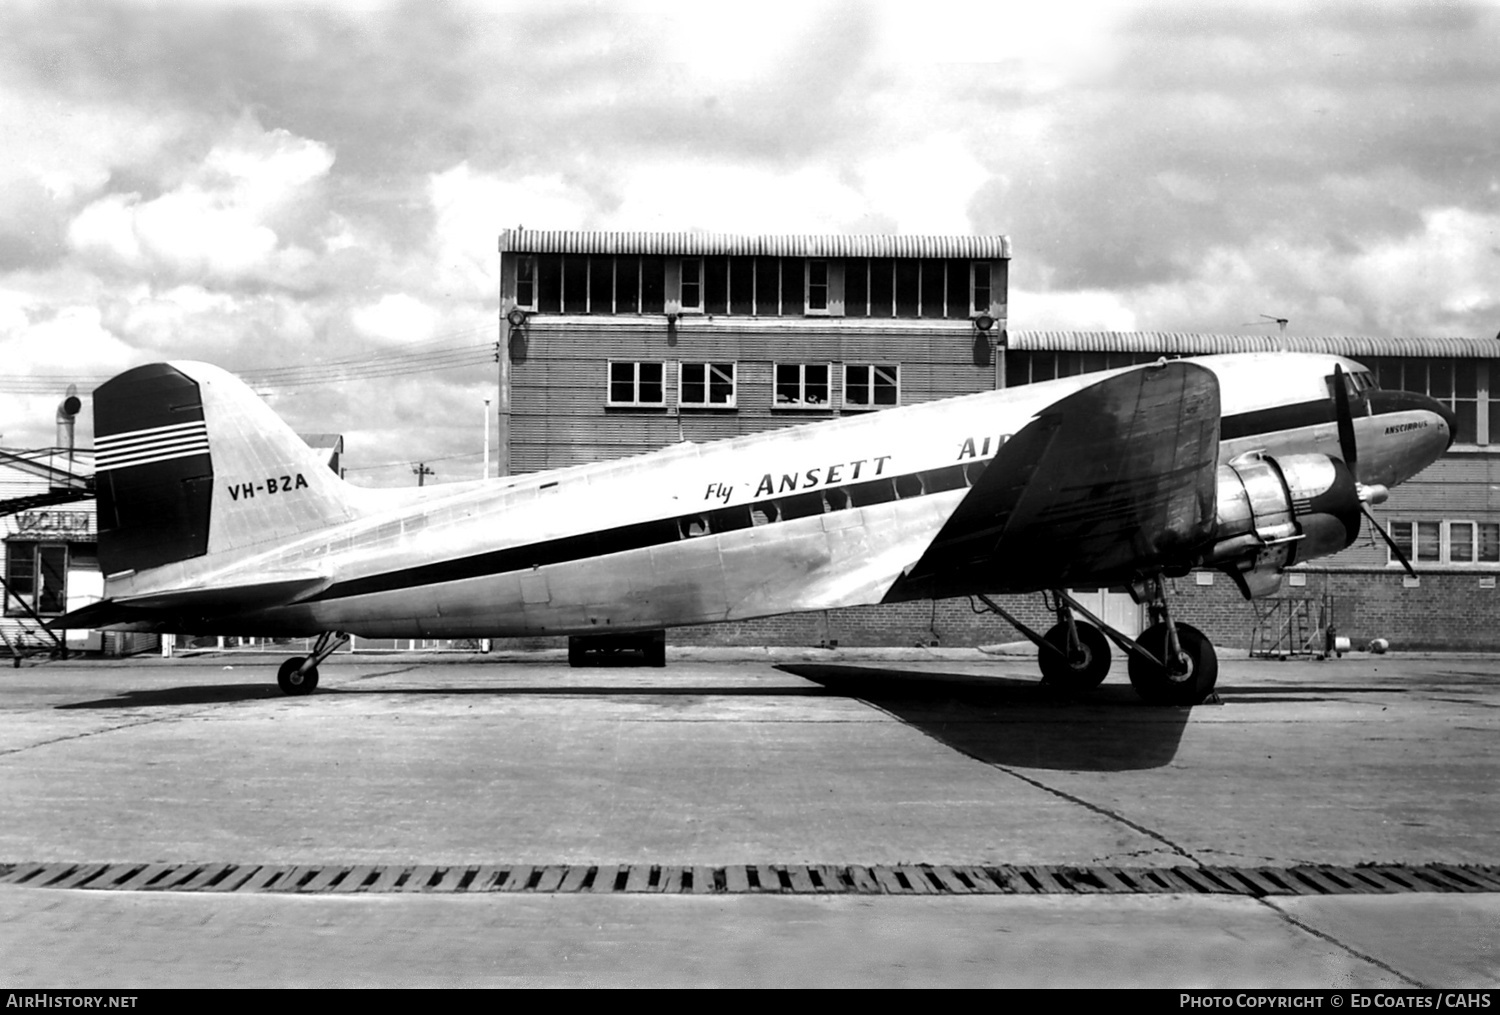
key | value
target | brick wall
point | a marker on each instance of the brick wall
(1447, 612)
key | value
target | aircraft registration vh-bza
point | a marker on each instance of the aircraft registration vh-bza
(215, 518)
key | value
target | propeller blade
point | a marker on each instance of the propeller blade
(1345, 420)
(1389, 541)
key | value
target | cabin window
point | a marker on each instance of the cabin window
(802, 386)
(706, 385)
(636, 384)
(871, 385)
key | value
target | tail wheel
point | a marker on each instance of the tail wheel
(294, 683)
(1184, 681)
(1081, 670)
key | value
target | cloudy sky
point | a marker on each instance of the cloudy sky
(310, 192)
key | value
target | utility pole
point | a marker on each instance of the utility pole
(486, 438)
(422, 472)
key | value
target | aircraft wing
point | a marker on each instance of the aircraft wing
(203, 601)
(1109, 481)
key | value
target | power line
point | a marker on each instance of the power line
(423, 357)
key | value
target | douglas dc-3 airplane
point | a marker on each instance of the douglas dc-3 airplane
(214, 517)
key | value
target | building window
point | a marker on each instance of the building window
(802, 386)
(817, 285)
(636, 384)
(692, 285)
(979, 288)
(706, 385)
(1446, 542)
(526, 282)
(601, 285)
(1461, 384)
(36, 573)
(1031, 367)
(871, 385)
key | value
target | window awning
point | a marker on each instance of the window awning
(540, 241)
(1200, 344)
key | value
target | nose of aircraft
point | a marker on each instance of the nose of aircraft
(1419, 430)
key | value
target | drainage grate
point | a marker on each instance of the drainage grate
(796, 879)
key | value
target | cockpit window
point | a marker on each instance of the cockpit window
(1356, 382)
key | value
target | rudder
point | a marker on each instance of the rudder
(191, 462)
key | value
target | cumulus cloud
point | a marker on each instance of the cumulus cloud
(297, 183)
(396, 317)
(236, 217)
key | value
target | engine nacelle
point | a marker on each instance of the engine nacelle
(1273, 512)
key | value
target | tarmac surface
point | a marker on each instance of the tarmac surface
(724, 758)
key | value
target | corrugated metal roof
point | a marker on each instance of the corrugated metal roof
(1192, 343)
(539, 241)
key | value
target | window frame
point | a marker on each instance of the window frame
(526, 266)
(38, 579)
(1405, 532)
(636, 403)
(808, 286)
(802, 404)
(870, 368)
(700, 284)
(707, 367)
(975, 310)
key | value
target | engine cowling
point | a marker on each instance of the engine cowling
(1273, 512)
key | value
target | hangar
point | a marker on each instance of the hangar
(615, 344)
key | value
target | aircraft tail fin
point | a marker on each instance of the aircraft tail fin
(190, 462)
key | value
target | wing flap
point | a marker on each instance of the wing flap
(1114, 479)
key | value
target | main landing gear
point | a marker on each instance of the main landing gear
(1169, 664)
(299, 674)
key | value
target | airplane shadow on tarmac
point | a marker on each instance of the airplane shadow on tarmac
(1006, 722)
(215, 694)
(997, 720)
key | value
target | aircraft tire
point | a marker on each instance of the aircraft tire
(1084, 676)
(1159, 687)
(291, 683)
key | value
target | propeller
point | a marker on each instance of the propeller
(1350, 449)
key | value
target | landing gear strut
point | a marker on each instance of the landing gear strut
(1076, 654)
(1169, 664)
(299, 674)
(1177, 664)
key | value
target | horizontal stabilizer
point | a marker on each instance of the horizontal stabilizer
(1113, 480)
(203, 602)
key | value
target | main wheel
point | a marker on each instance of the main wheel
(1085, 669)
(291, 682)
(1184, 681)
